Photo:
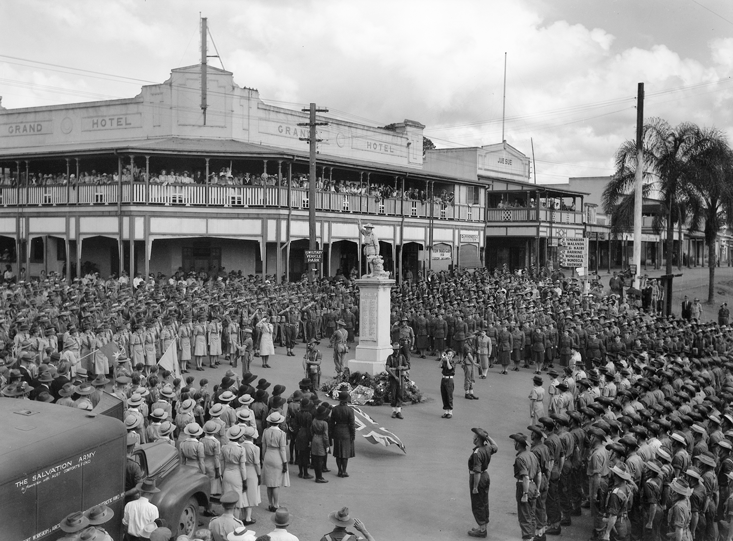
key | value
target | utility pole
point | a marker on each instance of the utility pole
(313, 142)
(204, 60)
(638, 192)
(204, 64)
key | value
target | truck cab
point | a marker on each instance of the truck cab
(183, 489)
(56, 460)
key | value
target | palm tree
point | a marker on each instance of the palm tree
(710, 197)
(667, 169)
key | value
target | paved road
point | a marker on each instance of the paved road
(423, 494)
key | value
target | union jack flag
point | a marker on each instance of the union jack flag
(373, 432)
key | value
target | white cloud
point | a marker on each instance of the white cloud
(432, 61)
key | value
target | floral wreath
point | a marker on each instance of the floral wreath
(343, 386)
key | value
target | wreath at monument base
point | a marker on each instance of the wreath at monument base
(365, 389)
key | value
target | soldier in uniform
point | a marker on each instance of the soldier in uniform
(554, 444)
(551, 334)
(597, 473)
(539, 341)
(246, 350)
(349, 319)
(679, 514)
(226, 523)
(483, 350)
(448, 372)
(340, 346)
(479, 481)
(504, 347)
(545, 462)
(468, 360)
(492, 332)
(698, 503)
(397, 367)
(440, 331)
(617, 505)
(518, 338)
(595, 349)
(723, 314)
(406, 339)
(312, 364)
(529, 477)
(421, 331)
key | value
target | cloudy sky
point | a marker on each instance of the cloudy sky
(572, 70)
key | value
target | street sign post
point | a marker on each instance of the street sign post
(573, 253)
(313, 256)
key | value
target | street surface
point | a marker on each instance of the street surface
(423, 495)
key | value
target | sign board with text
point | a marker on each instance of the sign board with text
(573, 253)
(313, 256)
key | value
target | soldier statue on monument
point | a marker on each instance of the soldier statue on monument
(371, 251)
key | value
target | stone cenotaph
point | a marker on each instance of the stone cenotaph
(374, 311)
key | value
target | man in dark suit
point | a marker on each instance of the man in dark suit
(25, 363)
(42, 385)
(686, 309)
(61, 378)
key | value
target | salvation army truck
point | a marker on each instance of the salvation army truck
(55, 460)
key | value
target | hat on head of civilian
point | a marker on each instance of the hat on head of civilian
(241, 534)
(99, 514)
(281, 518)
(74, 522)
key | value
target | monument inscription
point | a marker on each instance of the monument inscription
(368, 316)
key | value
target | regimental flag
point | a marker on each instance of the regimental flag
(111, 351)
(373, 432)
(169, 360)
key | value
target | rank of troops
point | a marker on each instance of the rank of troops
(639, 427)
(96, 329)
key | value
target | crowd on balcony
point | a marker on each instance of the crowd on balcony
(226, 177)
(548, 203)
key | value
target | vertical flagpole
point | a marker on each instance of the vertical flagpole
(503, 107)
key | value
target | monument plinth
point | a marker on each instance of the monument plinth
(374, 332)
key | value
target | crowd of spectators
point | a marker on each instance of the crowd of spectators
(552, 203)
(226, 177)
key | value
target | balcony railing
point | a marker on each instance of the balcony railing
(195, 195)
(530, 215)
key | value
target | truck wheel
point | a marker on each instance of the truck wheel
(189, 520)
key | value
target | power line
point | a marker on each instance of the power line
(713, 12)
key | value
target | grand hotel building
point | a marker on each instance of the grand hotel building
(151, 184)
